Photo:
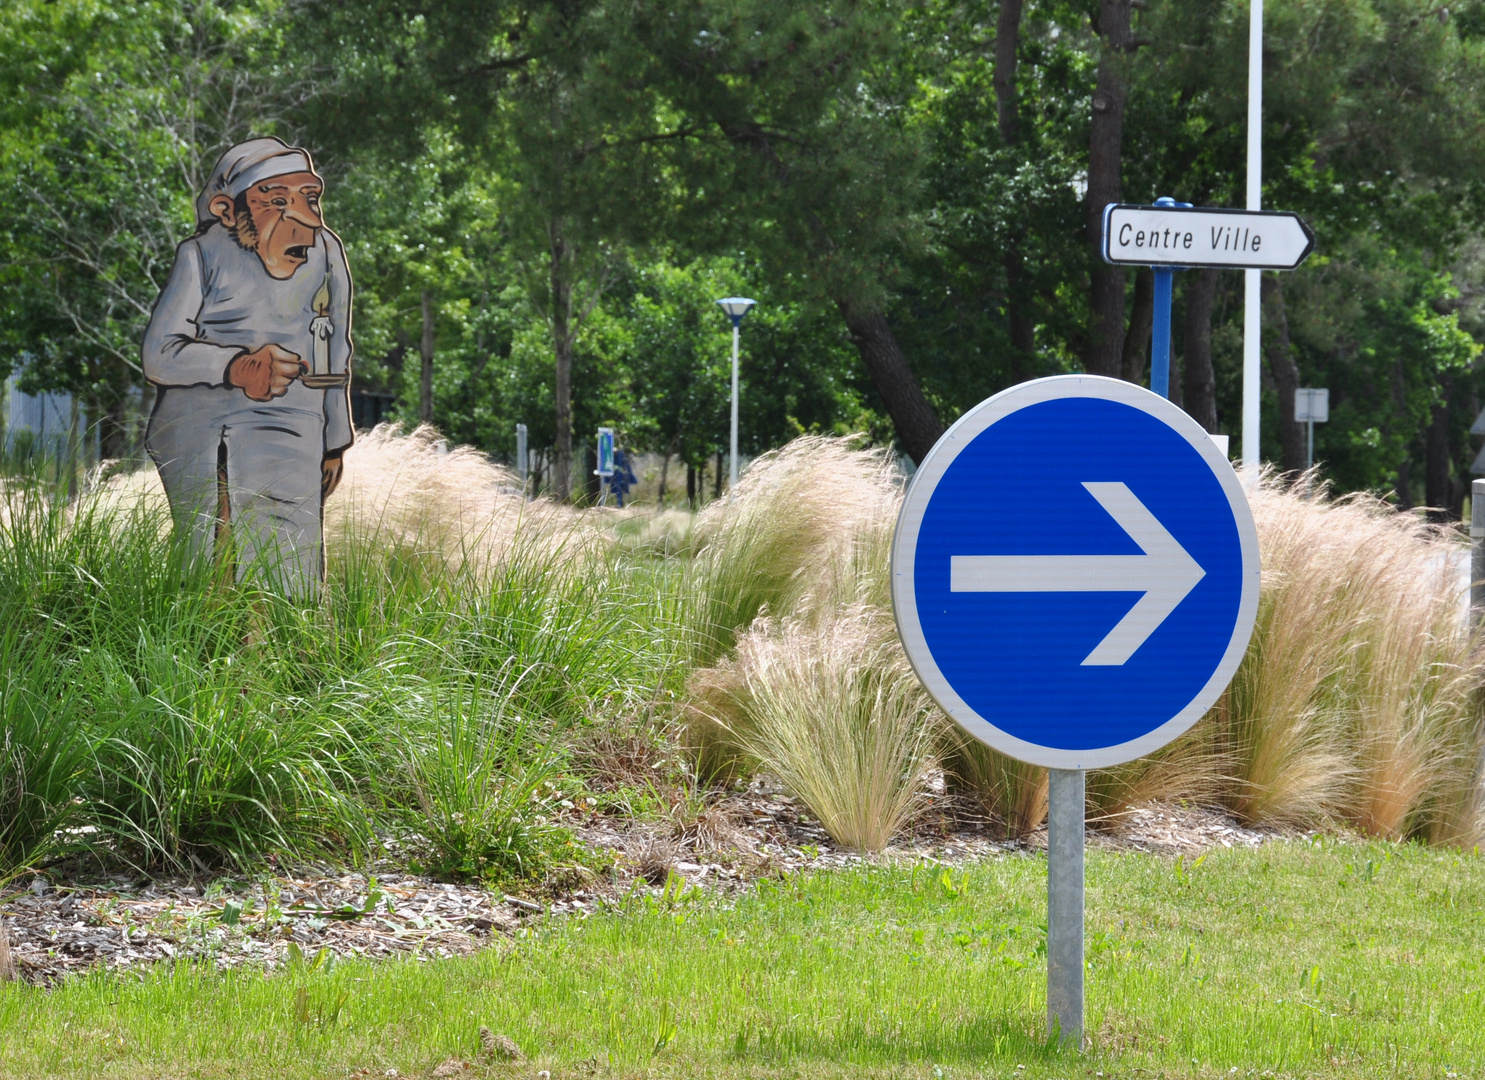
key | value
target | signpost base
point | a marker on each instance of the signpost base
(1065, 800)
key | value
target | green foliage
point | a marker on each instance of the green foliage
(111, 118)
(44, 755)
(566, 185)
(156, 714)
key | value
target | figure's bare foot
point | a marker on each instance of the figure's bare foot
(265, 373)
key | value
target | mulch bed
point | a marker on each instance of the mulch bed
(58, 927)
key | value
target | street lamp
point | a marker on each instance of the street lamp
(736, 307)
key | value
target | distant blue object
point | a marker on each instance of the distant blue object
(623, 477)
(605, 452)
(1075, 572)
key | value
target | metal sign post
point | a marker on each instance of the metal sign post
(1251, 307)
(1311, 407)
(523, 463)
(1084, 647)
(1066, 795)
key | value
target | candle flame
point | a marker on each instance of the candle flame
(321, 301)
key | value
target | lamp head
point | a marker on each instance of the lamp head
(736, 307)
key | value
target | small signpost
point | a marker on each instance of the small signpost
(1075, 580)
(523, 460)
(1311, 407)
(605, 460)
(1172, 236)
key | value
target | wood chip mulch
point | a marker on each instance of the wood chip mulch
(56, 928)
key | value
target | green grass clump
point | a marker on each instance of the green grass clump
(1317, 959)
(484, 787)
(158, 714)
(45, 753)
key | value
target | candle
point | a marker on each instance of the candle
(320, 331)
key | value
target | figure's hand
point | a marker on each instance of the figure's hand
(265, 373)
(331, 470)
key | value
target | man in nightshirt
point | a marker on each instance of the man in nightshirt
(249, 349)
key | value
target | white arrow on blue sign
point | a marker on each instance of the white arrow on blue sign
(1075, 572)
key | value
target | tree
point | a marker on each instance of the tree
(111, 120)
(791, 125)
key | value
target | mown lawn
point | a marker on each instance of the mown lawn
(1322, 958)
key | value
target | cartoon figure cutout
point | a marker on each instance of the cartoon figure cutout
(249, 350)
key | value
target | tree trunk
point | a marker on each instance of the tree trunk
(1105, 150)
(1201, 384)
(113, 435)
(665, 469)
(1007, 41)
(1019, 310)
(592, 482)
(1285, 372)
(561, 299)
(918, 426)
(690, 485)
(1436, 486)
(717, 493)
(1141, 322)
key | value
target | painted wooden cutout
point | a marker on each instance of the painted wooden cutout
(249, 350)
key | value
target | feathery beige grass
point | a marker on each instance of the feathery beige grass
(1010, 791)
(410, 493)
(1359, 696)
(832, 710)
(807, 528)
(1359, 699)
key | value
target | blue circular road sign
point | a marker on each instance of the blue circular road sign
(1075, 572)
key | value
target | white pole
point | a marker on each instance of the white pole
(732, 468)
(1252, 327)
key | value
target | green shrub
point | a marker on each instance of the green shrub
(44, 755)
(483, 780)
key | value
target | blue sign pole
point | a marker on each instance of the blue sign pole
(1160, 333)
(1160, 330)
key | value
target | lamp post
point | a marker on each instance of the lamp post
(736, 307)
(1252, 316)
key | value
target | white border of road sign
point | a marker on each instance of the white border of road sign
(905, 544)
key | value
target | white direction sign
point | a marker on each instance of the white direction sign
(1075, 572)
(1200, 236)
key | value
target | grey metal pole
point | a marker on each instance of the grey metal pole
(732, 469)
(1065, 798)
(1477, 551)
(523, 463)
(1310, 444)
